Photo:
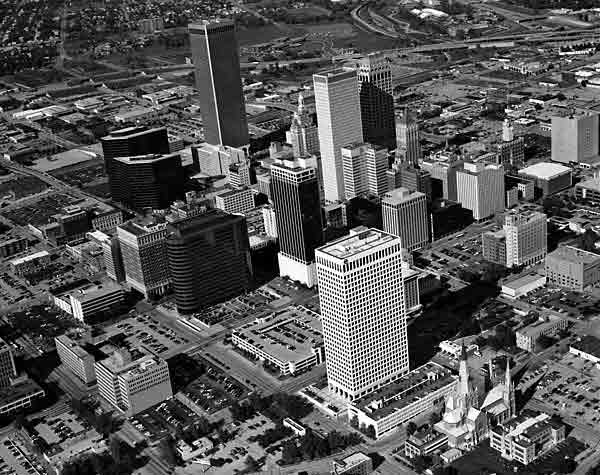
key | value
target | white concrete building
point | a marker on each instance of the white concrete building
(339, 119)
(405, 215)
(480, 188)
(133, 386)
(363, 311)
(526, 238)
(75, 358)
(93, 300)
(235, 201)
(269, 221)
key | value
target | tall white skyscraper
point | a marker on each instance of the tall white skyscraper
(363, 311)
(338, 116)
(365, 169)
(303, 134)
(480, 188)
(405, 215)
(575, 138)
(526, 237)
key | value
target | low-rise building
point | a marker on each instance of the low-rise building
(30, 264)
(356, 464)
(235, 201)
(548, 177)
(517, 286)
(526, 438)
(12, 246)
(21, 394)
(572, 268)
(198, 448)
(290, 341)
(424, 442)
(587, 348)
(493, 245)
(588, 189)
(75, 358)
(548, 326)
(415, 393)
(296, 427)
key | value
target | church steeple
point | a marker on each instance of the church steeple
(463, 376)
(509, 390)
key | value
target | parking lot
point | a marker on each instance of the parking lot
(571, 387)
(146, 332)
(168, 417)
(15, 459)
(573, 304)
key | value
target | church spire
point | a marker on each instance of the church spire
(509, 391)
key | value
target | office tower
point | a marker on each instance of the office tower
(363, 311)
(133, 386)
(209, 259)
(443, 178)
(216, 160)
(405, 215)
(526, 238)
(75, 358)
(338, 116)
(411, 178)
(113, 258)
(135, 141)
(295, 196)
(8, 370)
(575, 138)
(269, 221)
(512, 149)
(145, 181)
(493, 246)
(377, 100)
(364, 167)
(480, 188)
(218, 80)
(408, 147)
(235, 201)
(303, 135)
(239, 174)
(447, 217)
(144, 252)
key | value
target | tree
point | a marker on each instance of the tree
(411, 428)
(565, 465)
(544, 341)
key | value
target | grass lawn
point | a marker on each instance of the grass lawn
(485, 460)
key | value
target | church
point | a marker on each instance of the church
(466, 420)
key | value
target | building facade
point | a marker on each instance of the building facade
(572, 268)
(363, 311)
(480, 188)
(303, 135)
(75, 358)
(408, 146)
(235, 201)
(405, 215)
(134, 142)
(526, 238)
(575, 138)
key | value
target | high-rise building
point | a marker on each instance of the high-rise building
(135, 141)
(269, 221)
(133, 386)
(575, 138)
(405, 215)
(218, 80)
(409, 177)
(493, 246)
(8, 370)
(113, 259)
(511, 151)
(526, 237)
(235, 201)
(209, 259)
(144, 252)
(303, 135)
(295, 196)
(146, 181)
(75, 358)
(363, 311)
(480, 188)
(443, 178)
(364, 166)
(338, 116)
(408, 146)
(239, 174)
(377, 100)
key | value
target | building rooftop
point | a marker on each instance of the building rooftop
(574, 255)
(95, 291)
(357, 242)
(336, 74)
(19, 390)
(352, 460)
(588, 344)
(590, 184)
(289, 335)
(30, 257)
(400, 195)
(129, 132)
(410, 388)
(522, 280)
(545, 170)
(538, 327)
(145, 159)
(73, 345)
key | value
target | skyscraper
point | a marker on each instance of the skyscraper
(145, 181)
(377, 100)
(575, 138)
(364, 168)
(526, 237)
(209, 259)
(363, 311)
(303, 134)
(135, 141)
(8, 369)
(405, 215)
(408, 147)
(144, 253)
(295, 196)
(338, 116)
(480, 188)
(217, 65)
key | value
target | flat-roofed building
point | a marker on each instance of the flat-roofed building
(357, 463)
(133, 386)
(235, 201)
(424, 442)
(525, 438)
(30, 264)
(95, 300)
(75, 358)
(416, 393)
(290, 341)
(547, 325)
(572, 268)
(363, 311)
(480, 188)
(405, 215)
(494, 246)
(526, 237)
(588, 189)
(587, 348)
(548, 177)
(574, 138)
(520, 285)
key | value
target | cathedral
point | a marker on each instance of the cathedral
(466, 421)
